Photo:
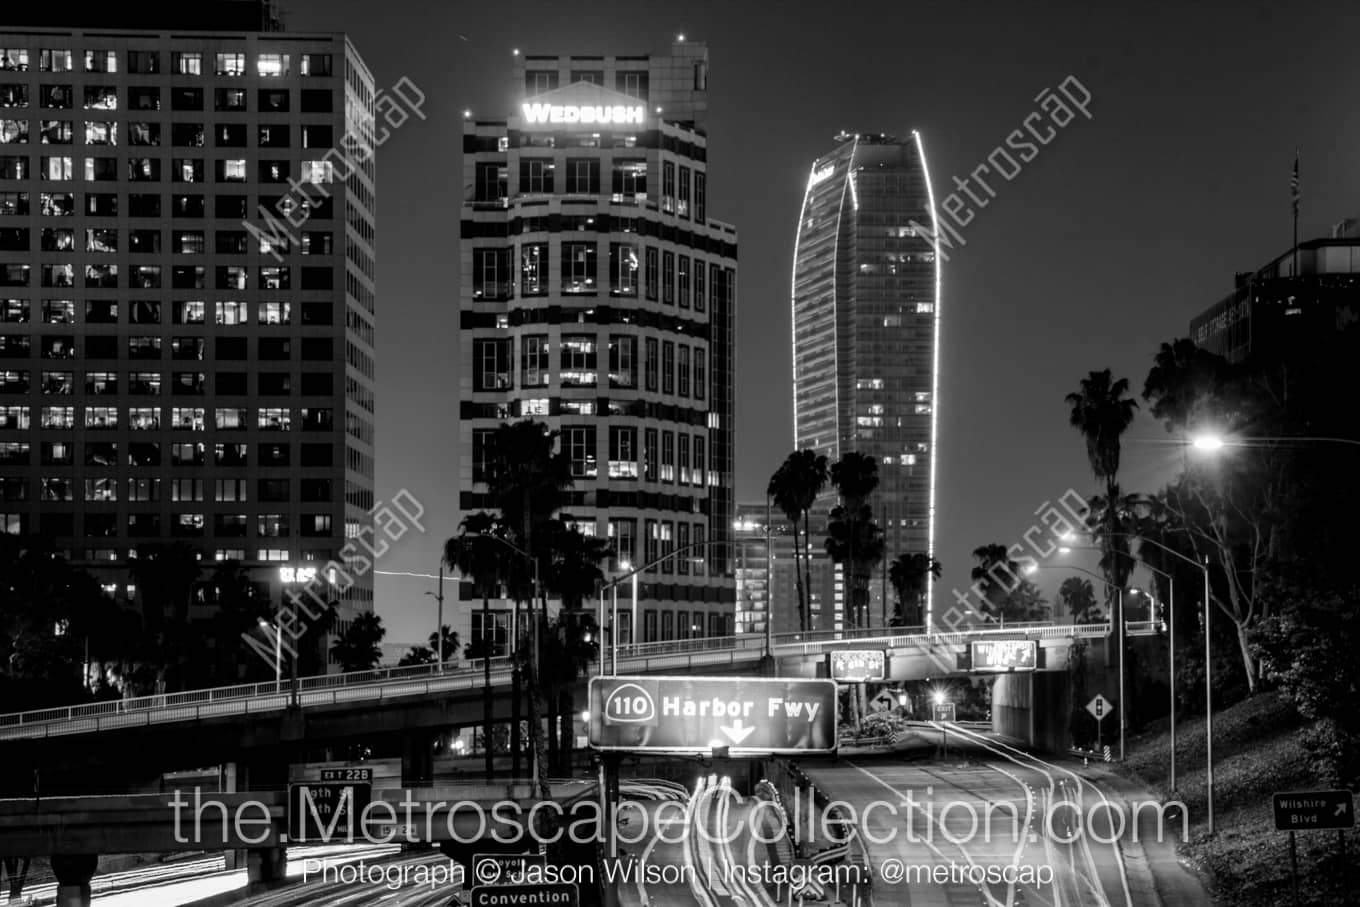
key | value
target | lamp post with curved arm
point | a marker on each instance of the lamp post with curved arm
(1208, 665)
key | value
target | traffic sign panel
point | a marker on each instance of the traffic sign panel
(883, 701)
(326, 812)
(555, 894)
(1099, 706)
(1314, 809)
(1002, 655)
(746, 715)
(942, 711)
(857, 665)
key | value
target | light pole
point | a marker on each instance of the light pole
(632, 574)
(1208, 665)
(278, 652)
(439, 619)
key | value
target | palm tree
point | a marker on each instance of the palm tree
(166, 576)
(910, 575)
(995, 573)
(476, 554)
(525, 478)
(1079, 599)
(1102, 412)
(417, 655)
(359, 648)
(575, 573)
(794, 488)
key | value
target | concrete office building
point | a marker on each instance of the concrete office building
(598, 297)
(866, 288)
(169, 374)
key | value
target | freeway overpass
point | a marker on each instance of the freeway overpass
(911, 655)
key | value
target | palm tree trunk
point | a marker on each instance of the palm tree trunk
(807, 563)
(487, 636)
(798, 582)
(516, 695)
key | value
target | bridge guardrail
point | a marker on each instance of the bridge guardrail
(381, 683)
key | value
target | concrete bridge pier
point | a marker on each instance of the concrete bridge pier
(73, 872)
(266, 864)
(417, 758)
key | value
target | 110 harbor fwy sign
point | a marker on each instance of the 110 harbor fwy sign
(743, 715)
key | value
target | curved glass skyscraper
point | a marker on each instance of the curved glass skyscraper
(866, 287)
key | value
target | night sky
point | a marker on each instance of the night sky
(1106, 244)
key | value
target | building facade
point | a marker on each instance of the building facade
(767, 579)
(172, 369)
(866, 297)
(598, 297)
(1294, 305)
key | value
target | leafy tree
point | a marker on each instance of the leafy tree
(359, 648)
(417, 655)
(1101, 412)
(451, 643)
(910, 574)
(1310, 645)
(794, 488)
(1078, 598)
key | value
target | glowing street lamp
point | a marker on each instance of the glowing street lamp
(1207, 442)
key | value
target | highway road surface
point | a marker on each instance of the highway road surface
(992, 825)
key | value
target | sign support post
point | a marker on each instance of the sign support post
(1294, 868)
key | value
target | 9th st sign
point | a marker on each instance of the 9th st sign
(749, 716)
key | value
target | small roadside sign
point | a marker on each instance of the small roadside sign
(1099, 706)
(942, 711)
(557, 894)
(883, 702)
(1314, 809)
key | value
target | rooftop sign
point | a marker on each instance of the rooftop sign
(583, 114)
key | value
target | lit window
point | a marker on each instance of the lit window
(271, 65)
(318, 172)
(231, 64)
(186, 64)
(537, 406)
(925, 308)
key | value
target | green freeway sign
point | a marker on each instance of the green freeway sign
(1314, 809)
(745, 715)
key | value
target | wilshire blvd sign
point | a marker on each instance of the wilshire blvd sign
(745, 715)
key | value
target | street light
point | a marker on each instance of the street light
(278, 651)
(1208, 663)
(439, 619)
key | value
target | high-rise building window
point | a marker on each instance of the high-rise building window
(622, 361)
(651, 363)
(481, 452)
(682, 206)
(229, 64)
(536, 176)
(533, 269)
(699, 464)
(623, 461)
(579, 443)
(682, 456)
(535, 361)
(682, 561)
(650, 454)
(668, 278)
(271, 65)
(186, 63)
(491, 182)
(578, 360)
(629, 179)
(700, 191)
(682, 371)
(668, 367)
(579, 267)
(583, 176)
(682, 280)
(633, 84)
(623, 269)
(491, 274)
(668, 456)
(699, 267)
(652, 277)
(700, 374)
(668, 187)
(624, 536)
(666, 529)
(537, 81)
(493, 364)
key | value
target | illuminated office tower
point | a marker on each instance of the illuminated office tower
(598, 297)
(168, 376)
(865, 330)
